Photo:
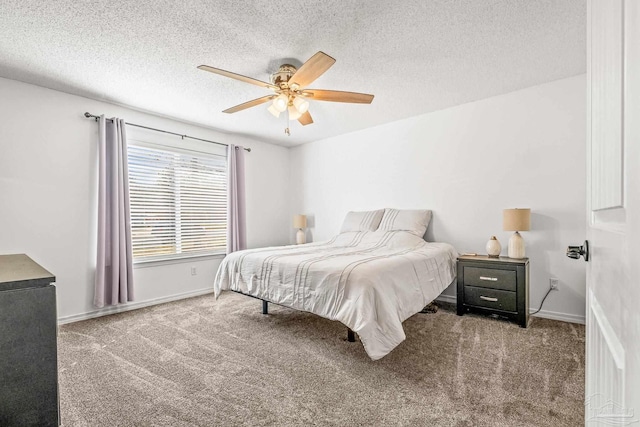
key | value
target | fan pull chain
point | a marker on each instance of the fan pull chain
(286, 130)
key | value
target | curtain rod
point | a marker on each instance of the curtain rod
(93, 116)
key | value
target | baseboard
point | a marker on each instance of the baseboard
(447, 298)
(554, 315)
(131, 306)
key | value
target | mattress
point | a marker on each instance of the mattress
(371, 281)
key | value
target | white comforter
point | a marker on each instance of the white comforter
(369, 281)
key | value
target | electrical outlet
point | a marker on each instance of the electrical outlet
(194, 271)
(553, 283)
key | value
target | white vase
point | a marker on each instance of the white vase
(300, 237)
(493, 247)
(516, 246)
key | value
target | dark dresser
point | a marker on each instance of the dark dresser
(28, 344)
(496, 286)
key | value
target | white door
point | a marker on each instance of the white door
(612, 395)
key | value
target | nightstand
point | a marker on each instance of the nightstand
(498, 286)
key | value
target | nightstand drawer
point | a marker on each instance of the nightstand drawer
(490, 298)
(490, 278)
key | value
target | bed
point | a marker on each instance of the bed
(377, 272)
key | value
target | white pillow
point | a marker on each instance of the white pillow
(413, 221)
(362, 221)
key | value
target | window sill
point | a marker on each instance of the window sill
(180, 260)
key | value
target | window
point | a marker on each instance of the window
(178, 202)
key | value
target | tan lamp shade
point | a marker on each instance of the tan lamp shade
(516, 219)
(299, 221)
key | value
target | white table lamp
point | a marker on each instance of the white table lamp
(516, 220)
(300, 222)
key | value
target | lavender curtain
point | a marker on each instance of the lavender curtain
(236, 209)
(114, 275)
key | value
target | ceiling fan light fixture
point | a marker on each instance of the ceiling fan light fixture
(302, 105)
(290, 93)
(280, 102)
(273, 110)
(294, 114)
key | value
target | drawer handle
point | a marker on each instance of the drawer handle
(491, 279)
(488, 298)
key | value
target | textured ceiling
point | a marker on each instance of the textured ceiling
(416, 56)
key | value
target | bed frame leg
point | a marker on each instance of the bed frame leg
(351, 337)
(265, 307)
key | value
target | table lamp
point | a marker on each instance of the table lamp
(300, 222)
(516, 220)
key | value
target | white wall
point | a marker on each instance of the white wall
(523, 149)
(48, 194)
(467, 163)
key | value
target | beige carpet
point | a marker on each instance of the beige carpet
(201, 362)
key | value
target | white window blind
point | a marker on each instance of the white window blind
(178, 202)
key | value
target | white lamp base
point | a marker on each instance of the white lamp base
(300, 237)
(516, 246)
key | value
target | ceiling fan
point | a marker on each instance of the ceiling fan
(289, 85)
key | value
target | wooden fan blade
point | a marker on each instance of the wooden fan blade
(237, 77)
(338, 96)
(249, 104)
(305, 119)
(312, 69)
